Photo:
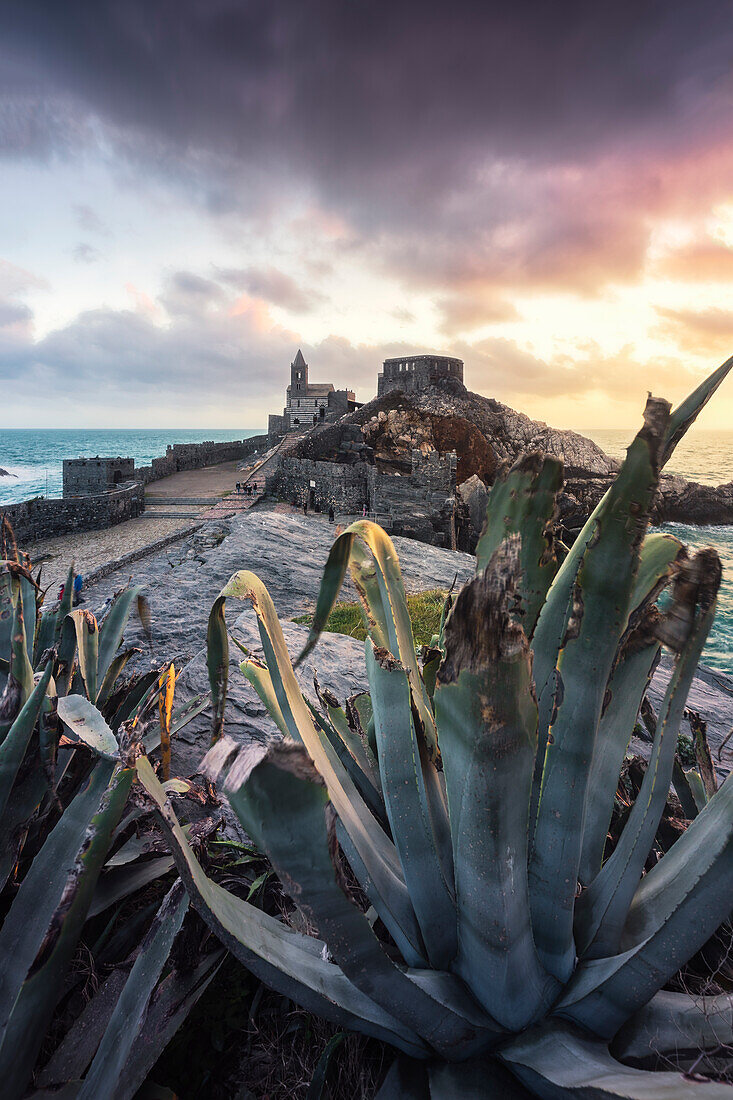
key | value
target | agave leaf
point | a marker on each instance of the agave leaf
(677, 1025)
(217, 662)
(121, 882)
(8, 595)
(352, 743)
(165, 707)
(550, 628)
(188, 711)
(363, 782)
(113, 672)
(45, 632)
(260, 679)
(72, 1056)
(389, 614)
(19, 685)
(65, 657)
(658, 564)
(633, 667)
(597, 620)
(375, 849)
(292, 964)
(317, 1086)
(487, 718)
(375, 612)
(603, 907)
(32, 1008)
(406, 1079)
(416, 807)
(361, 716)
(623, 698)
(24, 800)
(558, 1062)
(127, 1017)
(685, 414)
(28, 599)
(677, 907)
(524, 503)
(301, 846)
(172, 1001)
(690, 789)
(113, 627)
(86, 723)
(65, 603)
(87, 645)
(475, 1080)
(136, 699)
(13, 748)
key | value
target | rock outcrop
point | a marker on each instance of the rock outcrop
(486, 435)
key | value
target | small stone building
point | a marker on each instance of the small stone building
(309, 403)
(414, 373)
(88, 476)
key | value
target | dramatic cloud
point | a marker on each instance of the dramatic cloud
(708, 331)
(272, 285)
(391, 176)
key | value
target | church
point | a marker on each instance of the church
(309, 403)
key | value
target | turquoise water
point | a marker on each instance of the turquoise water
(35, 456)
(706, 457)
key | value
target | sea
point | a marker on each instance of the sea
(707, 457)
(34, 457)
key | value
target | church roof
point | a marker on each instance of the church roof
(299, 361)
(319, 389)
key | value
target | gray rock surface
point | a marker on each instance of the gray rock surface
(288, 551)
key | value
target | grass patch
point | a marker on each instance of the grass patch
(425, 609)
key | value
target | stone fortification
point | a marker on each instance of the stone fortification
(414, 373)
(194, 456)
(37, 519)
(102, 491)
(89, 476)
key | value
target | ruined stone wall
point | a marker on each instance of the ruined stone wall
(422, 504)
(414, 373)
(40, 518)
(346, 487)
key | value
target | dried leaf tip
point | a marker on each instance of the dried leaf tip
(480, 628)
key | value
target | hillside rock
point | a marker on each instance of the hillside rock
(486, 435)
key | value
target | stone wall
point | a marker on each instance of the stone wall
(88, 476)
(194, 456)
(344, 487)
(40, 518)
(420, 504)
(414, 373)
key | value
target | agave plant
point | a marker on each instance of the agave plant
(468, 801)
(67, 765)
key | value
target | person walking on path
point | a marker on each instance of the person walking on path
(331, 514)
(78, 585)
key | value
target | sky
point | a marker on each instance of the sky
(190, 190)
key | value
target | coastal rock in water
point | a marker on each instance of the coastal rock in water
(7, 473)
